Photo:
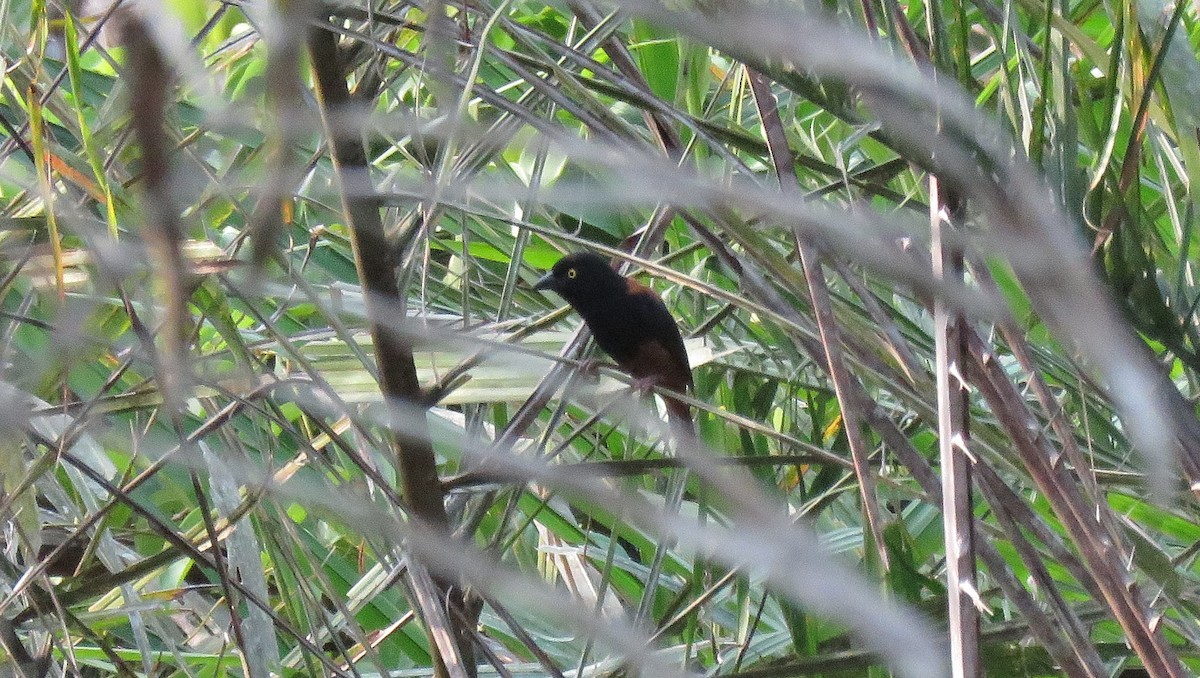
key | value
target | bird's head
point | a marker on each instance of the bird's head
(582, 277)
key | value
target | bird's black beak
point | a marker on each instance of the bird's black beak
(546, 282)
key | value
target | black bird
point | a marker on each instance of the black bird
(630, 322)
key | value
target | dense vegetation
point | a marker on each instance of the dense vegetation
(279, 397)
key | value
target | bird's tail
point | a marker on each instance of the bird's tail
(679, 416)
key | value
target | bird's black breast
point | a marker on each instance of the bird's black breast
(619, 325)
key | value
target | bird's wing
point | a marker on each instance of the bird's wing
(662, 353)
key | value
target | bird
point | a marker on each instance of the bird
(631, 324)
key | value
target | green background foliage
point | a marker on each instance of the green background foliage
(498, 136)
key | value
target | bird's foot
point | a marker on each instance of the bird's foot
(589, 368)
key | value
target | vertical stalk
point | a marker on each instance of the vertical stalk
(954, 435)
(421, 487)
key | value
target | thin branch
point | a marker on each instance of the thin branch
(831, 342)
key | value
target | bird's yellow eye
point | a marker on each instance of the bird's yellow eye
(571, 273)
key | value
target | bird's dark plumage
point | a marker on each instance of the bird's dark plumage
(629, 322)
